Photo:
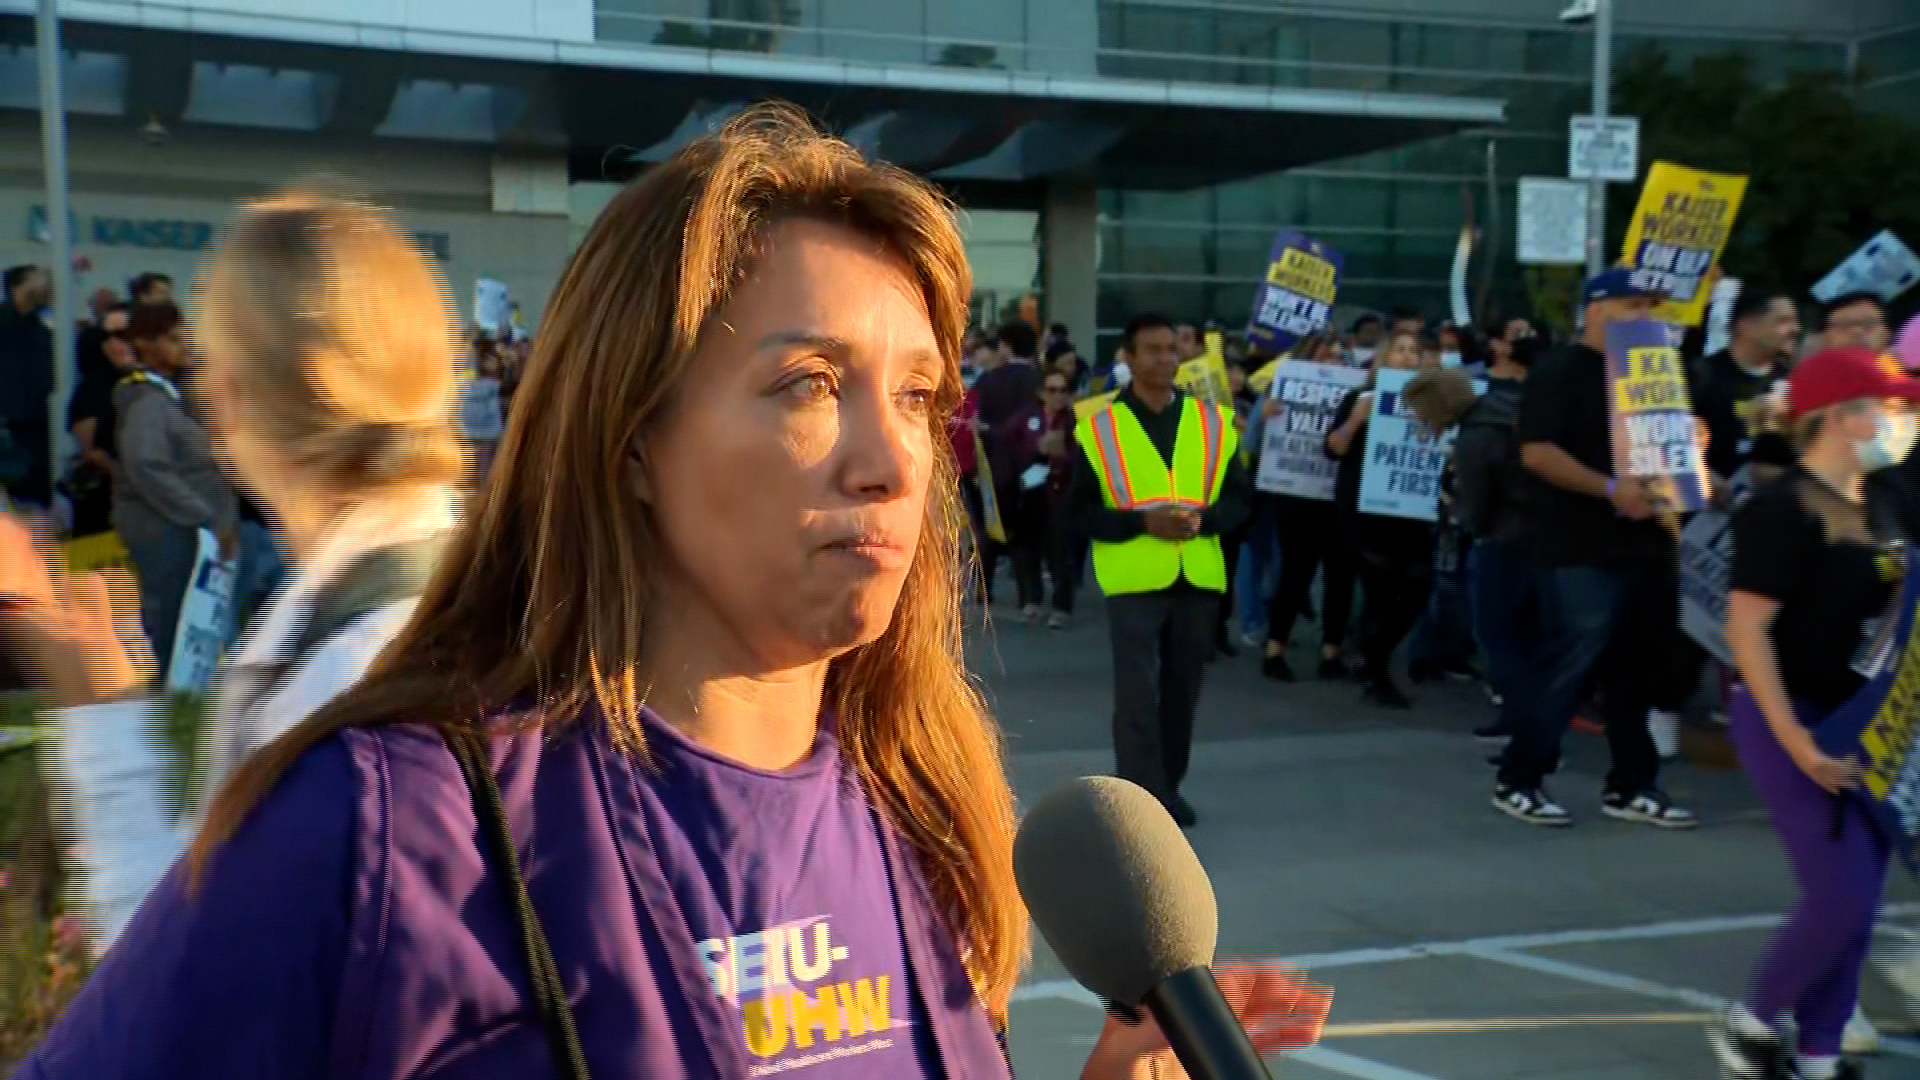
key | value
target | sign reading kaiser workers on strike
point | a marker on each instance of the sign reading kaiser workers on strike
(1677, 232)
(1303, 276)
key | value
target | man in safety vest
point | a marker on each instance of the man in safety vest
(1155, 484)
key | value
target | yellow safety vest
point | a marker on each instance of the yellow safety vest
(1133, 476)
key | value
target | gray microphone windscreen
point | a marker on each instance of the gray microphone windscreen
(1115, 888)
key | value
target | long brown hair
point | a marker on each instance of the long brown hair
(543, 592)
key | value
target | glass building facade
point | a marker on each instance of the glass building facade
(1396, 215)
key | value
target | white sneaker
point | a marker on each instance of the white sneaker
(1861, 1037)
(1665, 729)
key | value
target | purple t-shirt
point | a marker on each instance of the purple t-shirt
(353, 930)
(783, 880)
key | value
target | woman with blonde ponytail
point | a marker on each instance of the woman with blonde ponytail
(325, 351)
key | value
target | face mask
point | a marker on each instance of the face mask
(1450, 358)
(1362, 356)
(1890, 445)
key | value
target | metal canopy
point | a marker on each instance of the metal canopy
(634, 104)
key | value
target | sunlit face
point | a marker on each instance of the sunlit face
(1187, 340)
(165, 354)
(1857, 326)
(1402, 353)
(1154, 358)
(789, 482)
(1783, 326)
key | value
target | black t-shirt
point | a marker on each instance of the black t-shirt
(1727, 397)
(1564, 402)
(93, 400)
(1797, 542)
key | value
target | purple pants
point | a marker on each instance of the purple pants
(1812, 969)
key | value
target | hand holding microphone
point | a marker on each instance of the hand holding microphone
(1124, 902)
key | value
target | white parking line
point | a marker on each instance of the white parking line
(1358, 1067)
(1613, 980)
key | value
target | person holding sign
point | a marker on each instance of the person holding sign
(329, 374)
(1604, 577)
(1395, 554)
(1808, 619)
(170, 487)
(1159, 479)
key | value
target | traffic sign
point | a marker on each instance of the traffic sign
(1553, 222)
(1604, 150)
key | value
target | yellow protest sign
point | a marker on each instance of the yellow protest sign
(1088, 406)
(1262, 379)
(989, 493)
(1678, 232)
(1205, 376)
(90, 554)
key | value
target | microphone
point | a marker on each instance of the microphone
(1121, 898)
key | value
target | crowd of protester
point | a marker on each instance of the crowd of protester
(1546, 576)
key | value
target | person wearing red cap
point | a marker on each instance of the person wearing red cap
(1810, 582)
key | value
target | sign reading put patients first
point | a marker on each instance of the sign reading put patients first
(1303, 276)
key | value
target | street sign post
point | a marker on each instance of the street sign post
(1553, 222)
(1607, 148)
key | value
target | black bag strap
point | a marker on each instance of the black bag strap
(549, 993)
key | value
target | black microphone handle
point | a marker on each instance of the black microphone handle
(1201, 1028)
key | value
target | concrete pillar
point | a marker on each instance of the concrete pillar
(1070, 259)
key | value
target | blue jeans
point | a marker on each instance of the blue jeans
(261, 568)
(1258, 573)
(1506, 615)
(164, 563)
(1444, 635)
(1595, 620)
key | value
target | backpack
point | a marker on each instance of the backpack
(1478, 507)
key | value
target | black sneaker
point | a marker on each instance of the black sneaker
(1275, 667)
(1749, 1057)
(1492, 733)
(1182, 811)
(1384, 693)
(1531, 805)
(1332, 667)
(1649, 807)
(1423, 672)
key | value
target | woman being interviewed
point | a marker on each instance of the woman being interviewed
(703, 632)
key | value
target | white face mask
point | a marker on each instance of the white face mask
(1892, 441)
(1362, 356)
(1450, 358)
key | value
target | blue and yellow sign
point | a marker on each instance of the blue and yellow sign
(1296, 299)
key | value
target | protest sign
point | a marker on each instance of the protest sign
(91, 554)
(1303, 276)
(1205, 376)
(1677, 232)
(206, 620)
(1880, 725)
(1706, 573)
(492, 307)
(994, 524)
(1087, 406)
(1400, 476)
(1883, 266)
(1293, 458)
(1260, 380)
(1652, 417)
